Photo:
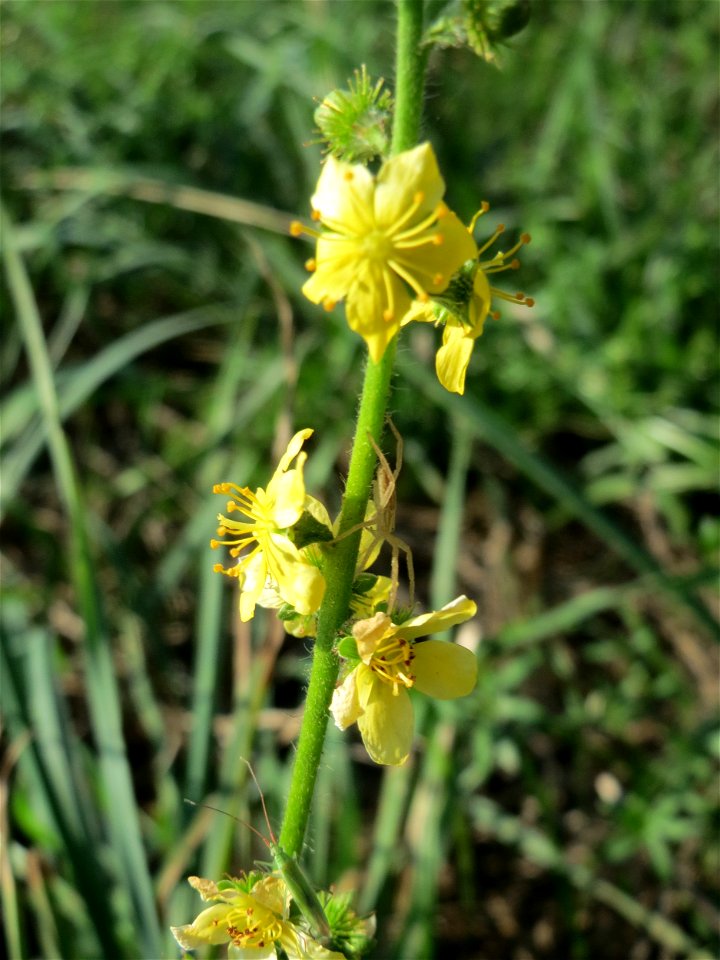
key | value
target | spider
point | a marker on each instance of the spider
(381, 522)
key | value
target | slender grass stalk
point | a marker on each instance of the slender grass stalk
(103, 694)
(340, 568)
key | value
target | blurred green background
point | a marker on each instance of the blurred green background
(569, 807)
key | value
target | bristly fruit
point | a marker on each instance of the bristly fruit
(355, 123)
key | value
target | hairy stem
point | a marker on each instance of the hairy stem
(341, 563)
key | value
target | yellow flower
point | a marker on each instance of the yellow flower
(384, 237)
(464, 307)
(375, 693)
(253, 920)
(270, 513)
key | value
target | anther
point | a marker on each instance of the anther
(529, 302)
(315, 215)
(296, 229)
(438, 239)
(388, 315)
(418, 198)
(514, 264)
(310, 265)
(525, 237)
(329, 304)
(437, 279)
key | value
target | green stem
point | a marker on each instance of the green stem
(339, 575)
(341, 563)
(409, 75)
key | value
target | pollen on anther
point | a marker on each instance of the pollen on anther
(218, 568)
(315, 215)
(296, 228)
(311, 265)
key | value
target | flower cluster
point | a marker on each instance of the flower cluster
(393, 251)
(384, 239)
(280, 549)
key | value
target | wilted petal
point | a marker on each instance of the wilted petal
(345, 706)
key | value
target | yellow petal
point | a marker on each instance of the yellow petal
(304, 588)
(452, 613)
(344, 196)
(293, 448)
(480, 302)
(376, 289)
(444, 670)
(443, 260)
(287, 490)
(252, 584)
(386, 725)
(452, 359)
(345, 706)
(334, 275)
(420, 311)
(209, 927)
(400, 180)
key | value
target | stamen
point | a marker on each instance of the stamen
(484, 207)
(311, 265)
(298, 229)
(398, 237)
(418, 200)
(408, 278)
(389, 311)
(329, 304)
(500, 229)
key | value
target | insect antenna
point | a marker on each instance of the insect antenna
(209, 806)
(262, 800)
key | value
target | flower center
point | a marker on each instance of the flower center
(392, 662)
(254, 927)
(376, 246)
